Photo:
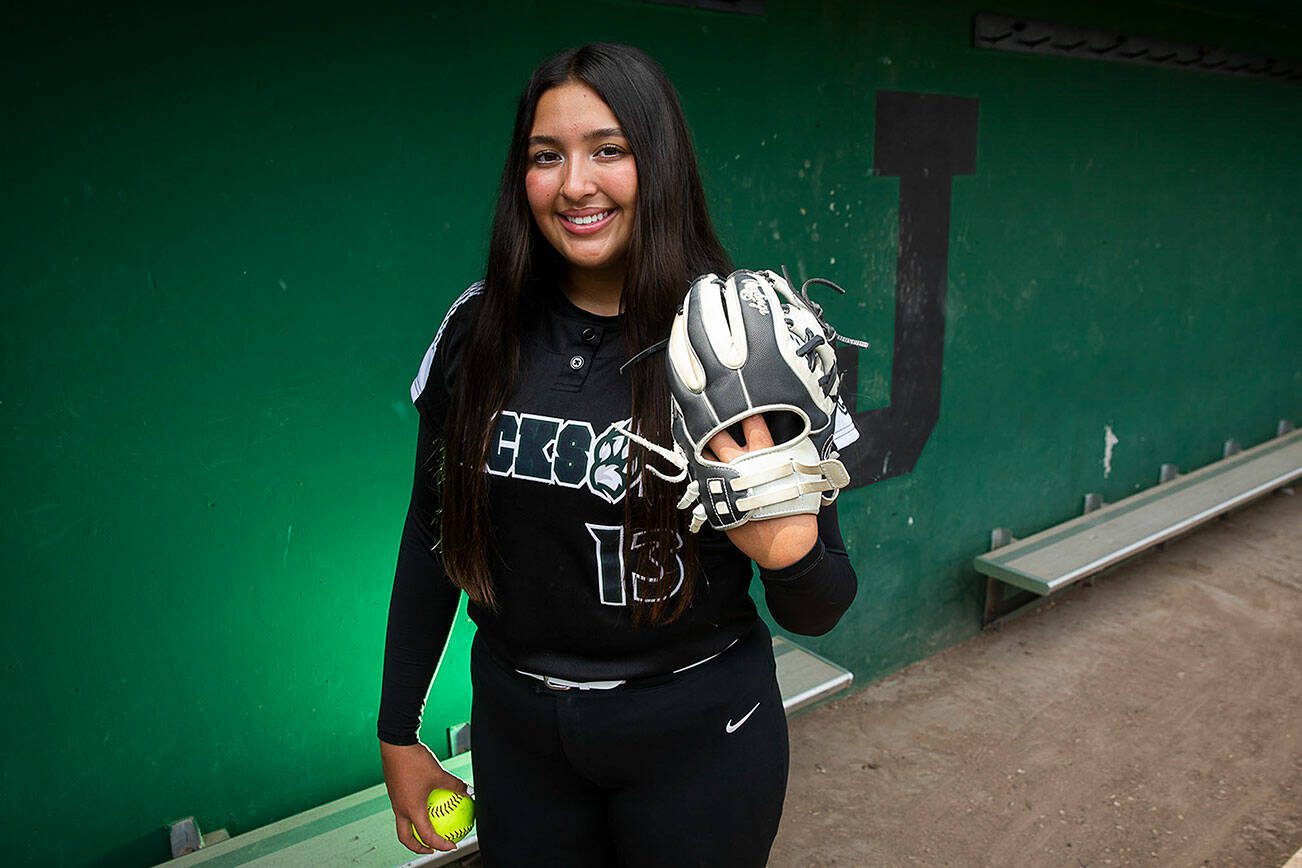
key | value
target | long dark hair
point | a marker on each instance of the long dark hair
(672, 242)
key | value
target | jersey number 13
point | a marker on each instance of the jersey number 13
(612, 587)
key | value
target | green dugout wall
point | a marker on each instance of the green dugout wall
(229, 237)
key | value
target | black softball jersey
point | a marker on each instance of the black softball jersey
(556, 495)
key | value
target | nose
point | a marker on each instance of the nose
(579, 182)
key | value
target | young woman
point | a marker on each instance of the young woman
(625, 706)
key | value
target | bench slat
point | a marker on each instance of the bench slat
(1070, 551)
(358, 829)
(804, 677)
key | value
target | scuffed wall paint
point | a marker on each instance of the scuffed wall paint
(1109, 440)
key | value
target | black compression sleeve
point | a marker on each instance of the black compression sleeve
(810, 596)
(421, 608)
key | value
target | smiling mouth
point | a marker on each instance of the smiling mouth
(589, 222)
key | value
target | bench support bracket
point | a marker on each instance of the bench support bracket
(999, 607)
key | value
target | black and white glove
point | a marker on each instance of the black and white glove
(739, 347)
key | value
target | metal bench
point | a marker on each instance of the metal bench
(1107, 534)
(358, 829)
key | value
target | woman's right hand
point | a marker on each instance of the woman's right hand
(410, 772)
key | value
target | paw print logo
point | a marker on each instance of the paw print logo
(606, 476)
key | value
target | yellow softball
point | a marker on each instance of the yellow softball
(452, 815)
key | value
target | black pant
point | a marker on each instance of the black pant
(691, 770)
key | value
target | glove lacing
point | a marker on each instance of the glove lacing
(677, 457)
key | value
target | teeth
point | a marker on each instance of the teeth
(588, 221)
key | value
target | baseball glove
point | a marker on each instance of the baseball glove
(748, 345)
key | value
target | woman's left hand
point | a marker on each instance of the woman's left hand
(772, 543)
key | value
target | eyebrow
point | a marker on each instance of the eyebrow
(603, 133)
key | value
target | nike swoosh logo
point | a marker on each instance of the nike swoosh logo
(733, 727)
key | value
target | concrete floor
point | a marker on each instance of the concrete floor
(1154, 718)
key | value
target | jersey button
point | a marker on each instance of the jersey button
(576, 362)
(589, 335)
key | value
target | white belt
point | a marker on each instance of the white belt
(565, 684)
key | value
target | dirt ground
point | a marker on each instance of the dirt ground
(1154, 718)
